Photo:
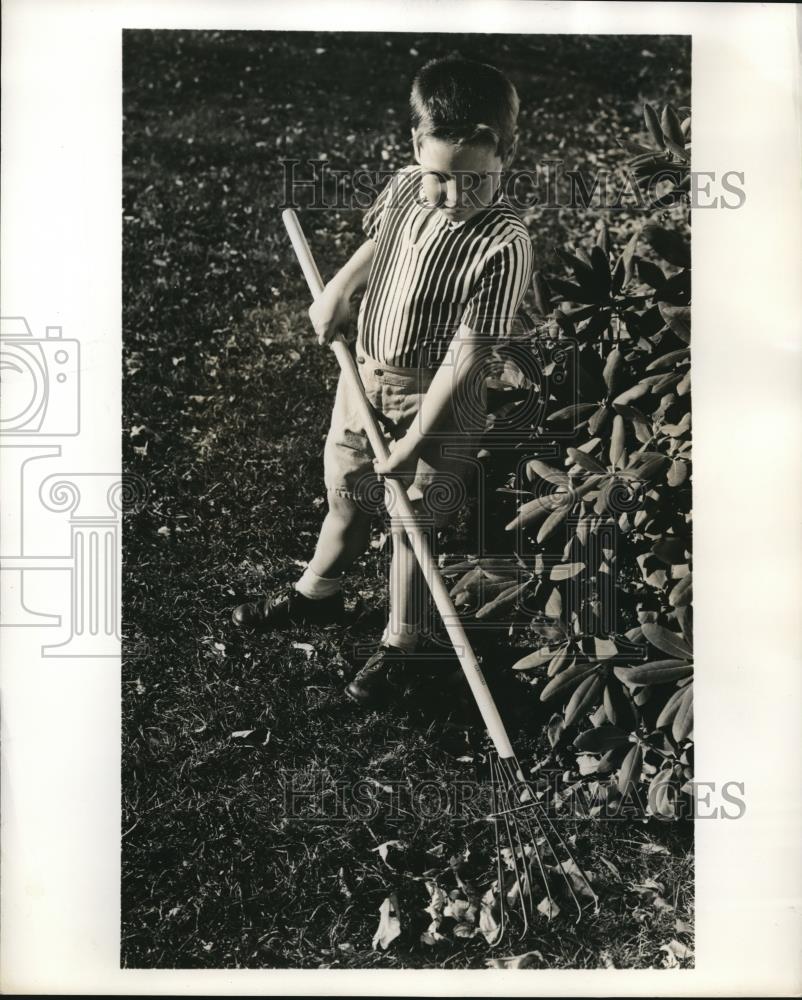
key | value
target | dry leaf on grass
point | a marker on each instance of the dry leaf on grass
(384, 849)
(676, 952)
(529, 960)
(488, 924)
(389, 922)
(581, 887)
(649, 847)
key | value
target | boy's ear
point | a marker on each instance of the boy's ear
(415, 145)
(509, 156)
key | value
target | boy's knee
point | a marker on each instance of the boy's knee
(345, 507)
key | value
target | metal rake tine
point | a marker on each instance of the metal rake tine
(579, 868)
(526, 891)
(537, 810)
(501, 813)
(525, 810)
(570, 854)
(504, 813)
(535, 848)
(499, 863)
(556, 857)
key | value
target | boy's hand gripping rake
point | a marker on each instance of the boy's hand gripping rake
(518, 818)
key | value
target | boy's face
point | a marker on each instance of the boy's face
(458, 181)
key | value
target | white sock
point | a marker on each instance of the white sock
(315, 587)
(403, 636)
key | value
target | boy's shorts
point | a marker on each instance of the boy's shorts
(447, 466)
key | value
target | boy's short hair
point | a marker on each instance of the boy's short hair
(464, 102)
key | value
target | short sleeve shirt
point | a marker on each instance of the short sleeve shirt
(427, 279)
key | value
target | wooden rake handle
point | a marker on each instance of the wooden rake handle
(402, 511)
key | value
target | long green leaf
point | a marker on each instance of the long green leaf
(601, 739)
(658, 672)
(630, 770)
(667, 641)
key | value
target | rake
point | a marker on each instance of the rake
(526, 839)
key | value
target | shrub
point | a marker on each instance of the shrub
(606, 597)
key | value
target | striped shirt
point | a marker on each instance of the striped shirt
(425, 280)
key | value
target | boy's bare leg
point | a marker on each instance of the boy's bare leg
(344, 535)
(408, 593)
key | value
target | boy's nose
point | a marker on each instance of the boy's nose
(452, 195)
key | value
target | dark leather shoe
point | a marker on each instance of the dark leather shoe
(287, 608)
(389, 675)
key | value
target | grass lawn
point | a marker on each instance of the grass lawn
(226, 407)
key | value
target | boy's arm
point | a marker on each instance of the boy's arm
(353, 275)
(458, 378)
(332, 308)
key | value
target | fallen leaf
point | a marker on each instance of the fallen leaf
(488, 925)
(683, 927)
(462, 910)
(582, 883)
(651, 848)
(548, 908)
(254, 737)
(465, 931)
(529, 960)
(437, 901)
(676, 952)
(389, 922)
(383, 849)
(305, 646)
(432, 935)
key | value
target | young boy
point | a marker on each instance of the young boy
(445, 266)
